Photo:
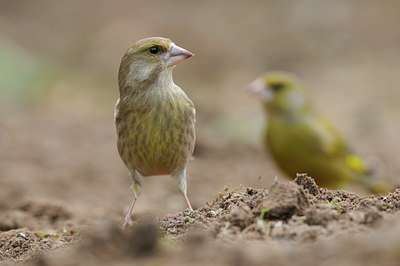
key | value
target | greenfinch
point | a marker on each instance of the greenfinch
(154, 118)
(301, 141)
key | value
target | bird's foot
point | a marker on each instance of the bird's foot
(128, 221)
(173, 213)
(169, 214)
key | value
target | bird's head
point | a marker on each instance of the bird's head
(280, 92)
(149, 59)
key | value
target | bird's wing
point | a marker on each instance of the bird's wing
(333, 145)
(330, 142)
(189, 116)
(116, 111)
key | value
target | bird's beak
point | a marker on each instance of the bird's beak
(259, 89)
(177, 54)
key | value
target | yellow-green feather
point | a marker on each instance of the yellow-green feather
(301, 141)
(298, 147)
(159, 138)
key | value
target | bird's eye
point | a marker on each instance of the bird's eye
(153, 49)
(277, 86)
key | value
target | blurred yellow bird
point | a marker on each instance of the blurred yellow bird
(301, 141)
(153, 116)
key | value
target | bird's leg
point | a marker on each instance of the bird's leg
(137, 190)
(187, 202)
(128, 219)
(182, 186)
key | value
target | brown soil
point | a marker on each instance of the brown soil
(285, 224)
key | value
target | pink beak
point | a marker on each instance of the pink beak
(177, 54)
(259, 89)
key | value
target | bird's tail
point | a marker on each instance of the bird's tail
(369, 173)
(380, 187)
(375, 172)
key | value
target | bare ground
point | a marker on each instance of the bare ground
(67, 208)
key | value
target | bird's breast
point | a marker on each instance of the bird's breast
(159, 139)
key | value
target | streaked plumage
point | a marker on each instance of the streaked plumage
(301, 141)
(153, 116)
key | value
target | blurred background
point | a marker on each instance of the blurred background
(58, 86)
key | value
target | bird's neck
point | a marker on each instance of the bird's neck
(164, 80)
(157, 87)
(291, 116)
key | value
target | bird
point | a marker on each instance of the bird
(302, 141)
(154, 118)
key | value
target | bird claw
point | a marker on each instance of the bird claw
(128, 221)
(174, 213)
(169, 214)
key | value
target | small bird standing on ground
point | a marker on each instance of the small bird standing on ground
(301, 141)
(153, 116)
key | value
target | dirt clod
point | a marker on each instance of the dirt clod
(284, 200)
(318, 215)
(307, 183)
